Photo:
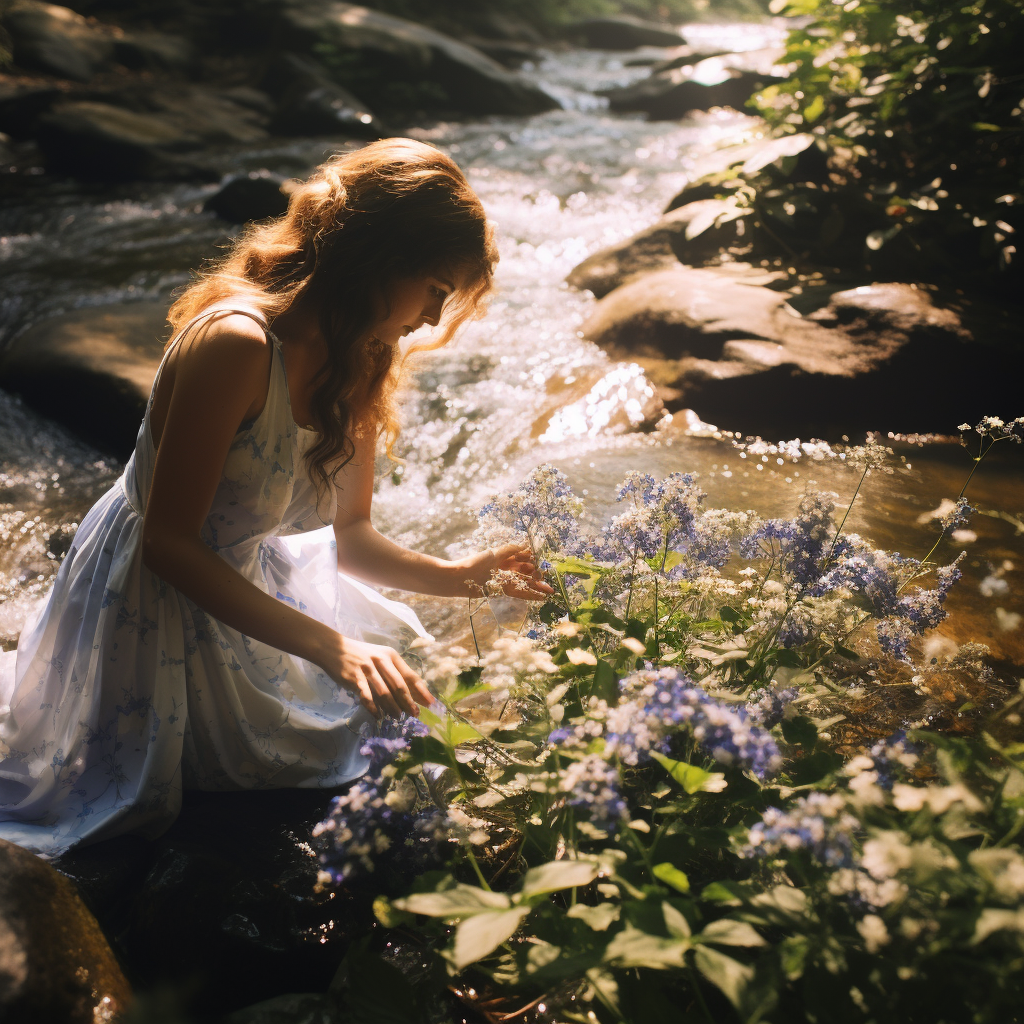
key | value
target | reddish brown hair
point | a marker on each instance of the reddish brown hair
(364, 220)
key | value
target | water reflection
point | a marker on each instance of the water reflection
(516, 389)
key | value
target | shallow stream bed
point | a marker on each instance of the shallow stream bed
(516, 389)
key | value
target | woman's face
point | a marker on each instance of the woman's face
(415, 301)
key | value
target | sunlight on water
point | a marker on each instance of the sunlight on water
(514, 390)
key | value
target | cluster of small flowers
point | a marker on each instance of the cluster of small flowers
(662, 517)
(891, 755)
(871, 454)
(592, 785)
(818, 823)
(799, 544)
(511, 659)
(996, 429)
(374, 817)
(542, 511)
(659, 703)
(957, 516)
(768, 707)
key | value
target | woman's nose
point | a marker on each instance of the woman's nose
(432, 310)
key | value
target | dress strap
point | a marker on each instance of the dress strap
(206, 315)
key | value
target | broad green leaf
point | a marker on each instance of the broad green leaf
(675, 921)
(635, 948)
(689, 776)
(729, 975)
(727, 932)
(771, 150)
(460, 901)
(558, 874)
(726, 893)
(671, 875)
(481, 934)
(388, 915)
(597, 918)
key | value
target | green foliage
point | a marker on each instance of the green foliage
(909, 120)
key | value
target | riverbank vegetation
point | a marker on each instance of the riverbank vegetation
(727, 773)
(909, 161)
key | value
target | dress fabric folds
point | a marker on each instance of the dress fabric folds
(123, 691)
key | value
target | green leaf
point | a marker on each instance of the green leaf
(689, 776)
(814, 109)
(482, 934)
(606, 682)
(800, 732)
(460, 901)
(635, 948)
(597, 918)
(376, 990)
(558, 874)
(671, 875)
(730, 976)
(793, 952)
(728, 932)
(730, 894)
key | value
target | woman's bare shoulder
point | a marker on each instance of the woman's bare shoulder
(236, 327)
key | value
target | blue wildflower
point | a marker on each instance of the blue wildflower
(817, 823)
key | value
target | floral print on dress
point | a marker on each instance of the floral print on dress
(123, 691)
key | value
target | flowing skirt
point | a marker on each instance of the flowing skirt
(123, 691)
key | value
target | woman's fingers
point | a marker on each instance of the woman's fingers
(397, 685)
(382, 694)
(365, 696)
(417, 687)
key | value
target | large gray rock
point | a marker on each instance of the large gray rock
(661, 246)
(55, 964)
(622, 33)
(674, 93)
(879, 356)
(154, 51)
(386, 49)
(56, 40)
(144, 133)
(310, 102)
(253, 196)
(91, 369)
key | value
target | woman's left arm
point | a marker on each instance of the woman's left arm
(369, 556)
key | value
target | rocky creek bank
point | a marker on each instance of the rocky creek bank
(99, 98)
(794, 346)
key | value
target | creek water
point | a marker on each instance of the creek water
(515, 389)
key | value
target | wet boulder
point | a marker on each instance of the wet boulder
(144, 133)
(676, 92)
(154, 51)
(253, 196)
(56, 966)
(685, 235)
(405, 60)
(55, 40)
(739, 354)
(91, 370)
(310, 102)
(622, 33)
(21, 108)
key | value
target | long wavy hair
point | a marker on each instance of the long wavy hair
(361, 223)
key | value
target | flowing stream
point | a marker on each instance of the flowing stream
(515, 389)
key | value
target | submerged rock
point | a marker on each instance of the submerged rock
(55, 964)
(154, 51)
(384, 52)
(877, 356)
(91, 370)
(622, 33)
(55, 40)
(253, 196)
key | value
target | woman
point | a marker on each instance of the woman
(200, 633)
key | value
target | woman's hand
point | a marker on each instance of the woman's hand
(379, 676)
(516, 569)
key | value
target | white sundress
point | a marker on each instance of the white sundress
(123, 691)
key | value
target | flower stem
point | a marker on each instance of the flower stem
(476, 868)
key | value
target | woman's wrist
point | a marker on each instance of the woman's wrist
(321, 645)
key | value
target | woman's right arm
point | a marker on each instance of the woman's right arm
(220, 375)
